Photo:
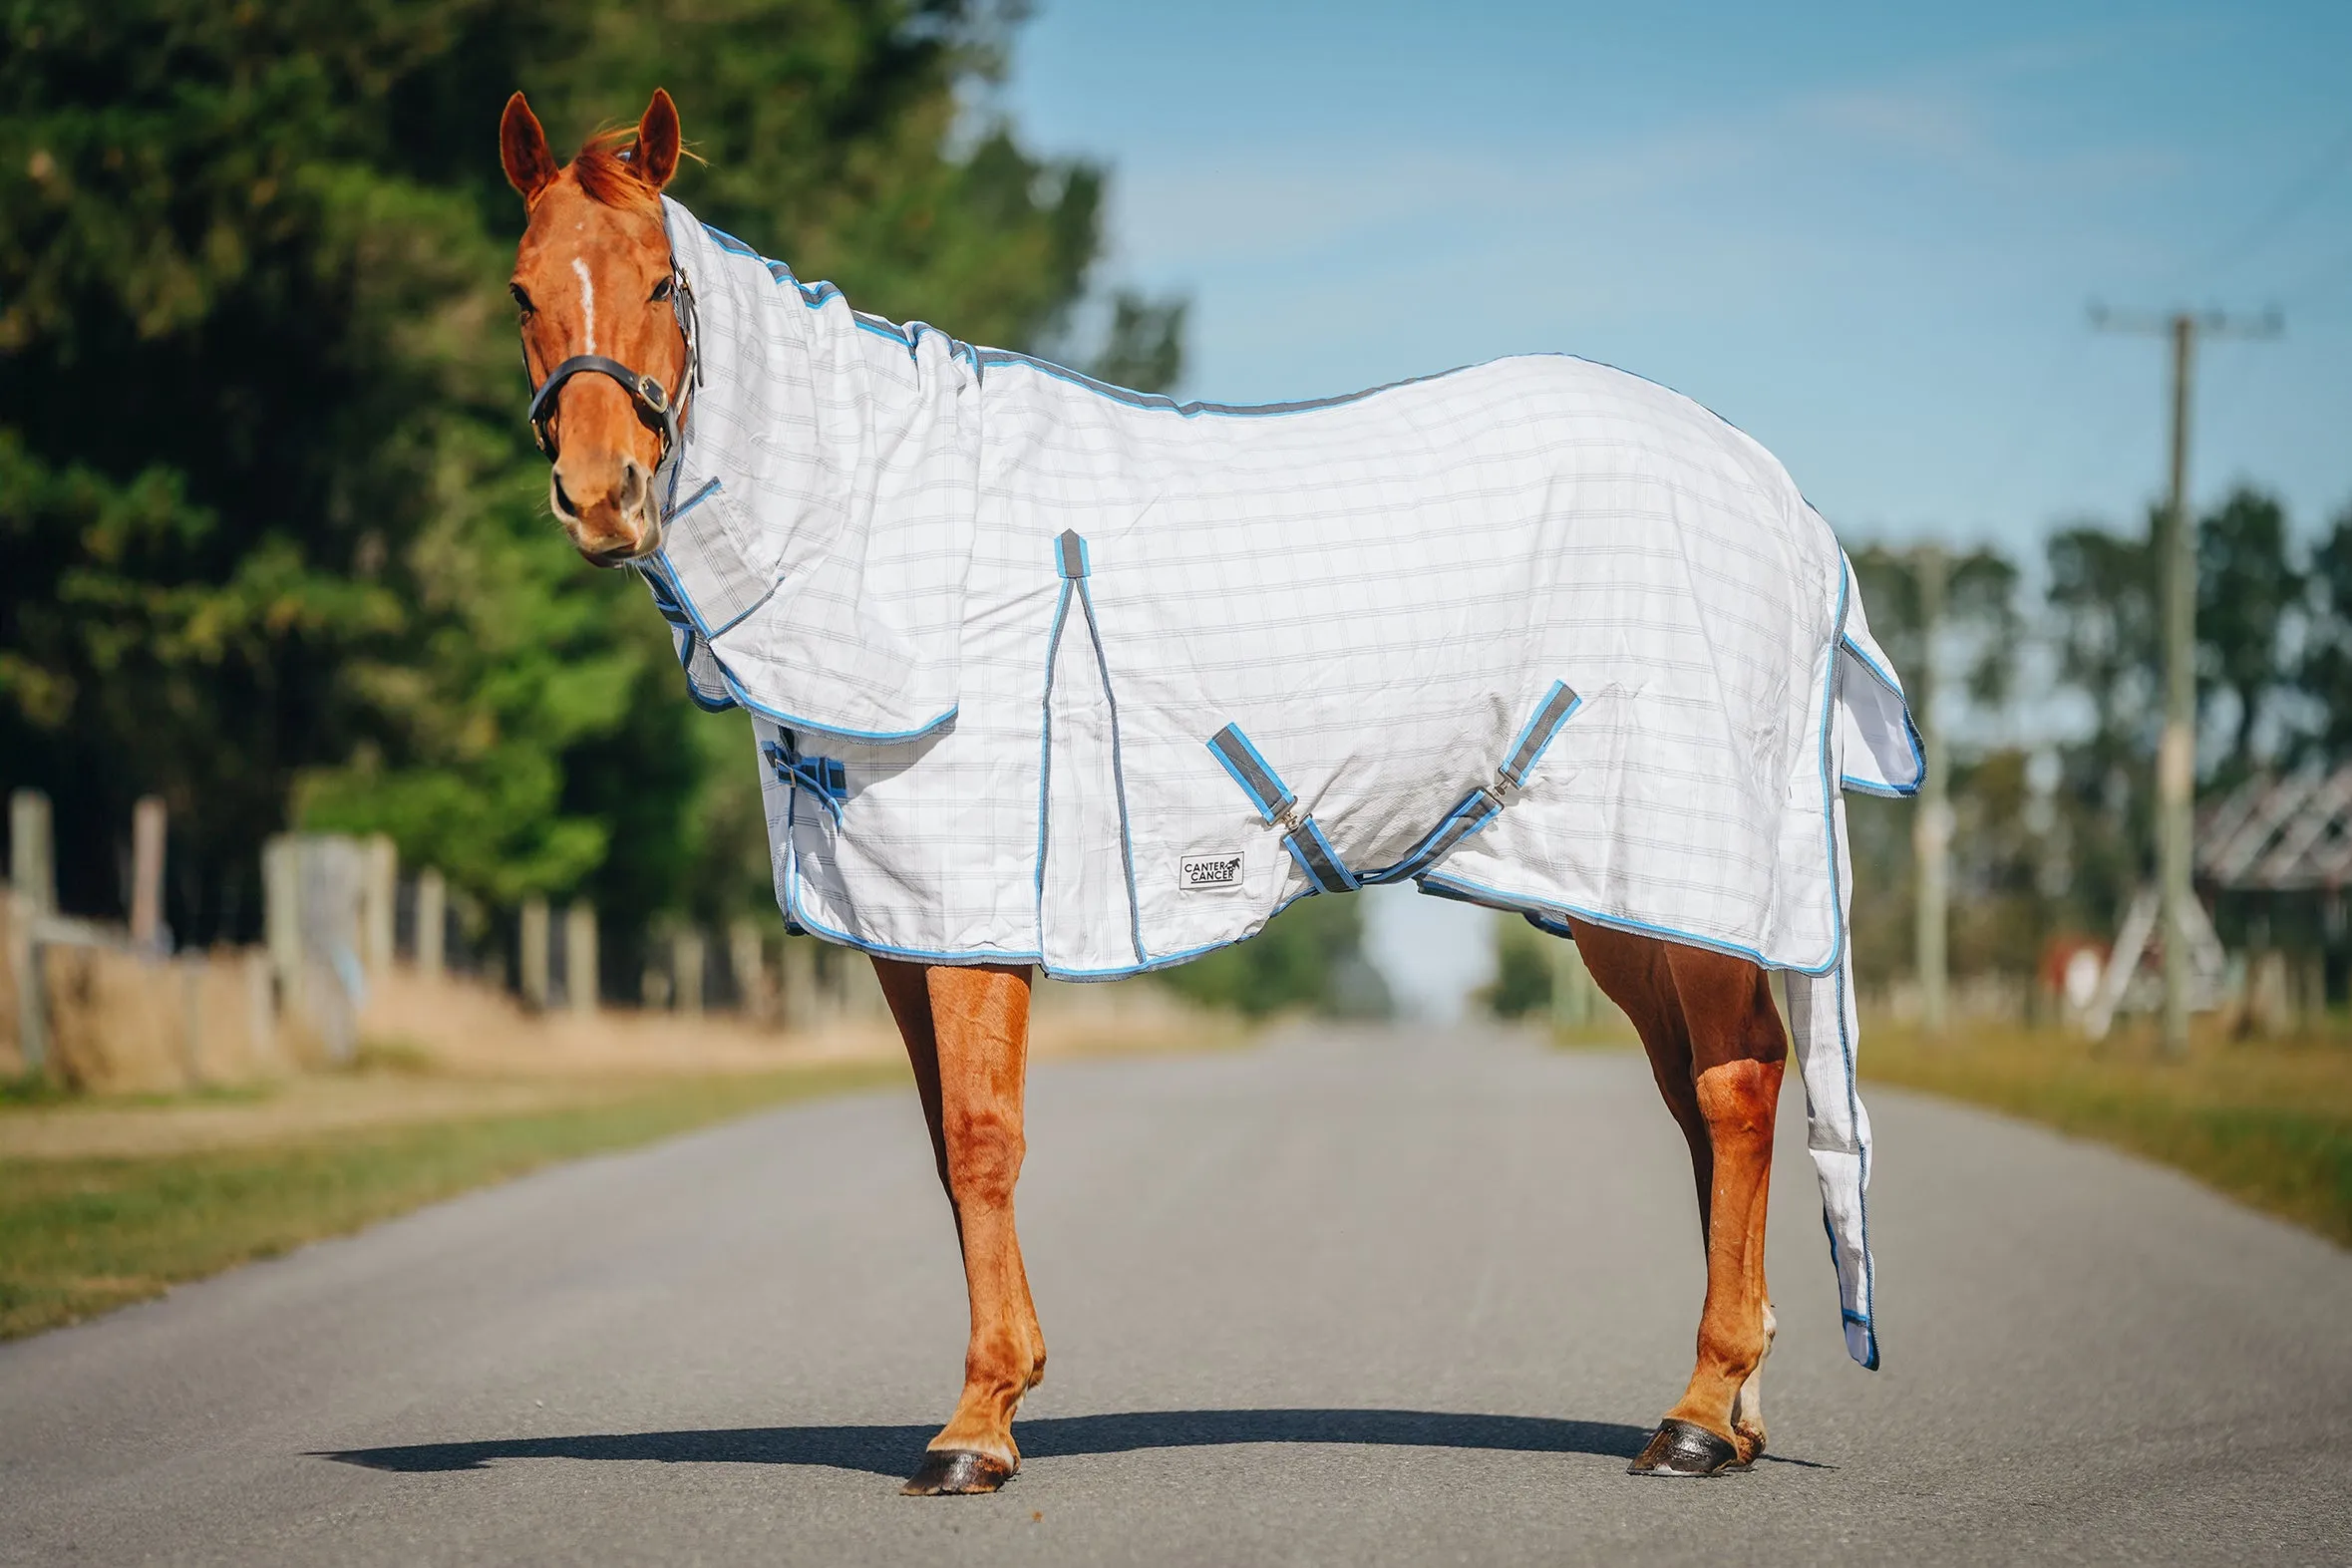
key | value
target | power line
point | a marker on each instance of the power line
(2279, 213)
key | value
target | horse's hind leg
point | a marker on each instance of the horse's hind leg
(1717, 1050)
(967, 1038)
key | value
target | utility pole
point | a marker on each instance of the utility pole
(2176, 757)
(1932, 831)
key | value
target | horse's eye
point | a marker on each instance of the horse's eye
(520, 297)
(661, 291)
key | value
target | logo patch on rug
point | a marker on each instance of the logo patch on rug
(1206, 873)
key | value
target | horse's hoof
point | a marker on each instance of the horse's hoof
(1685, 1449)
(957, 1473)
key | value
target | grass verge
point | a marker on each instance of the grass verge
(2268, 1122)
(81, 1235)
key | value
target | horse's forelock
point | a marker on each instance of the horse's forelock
(606, 173)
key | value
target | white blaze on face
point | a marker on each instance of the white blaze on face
(587, 303)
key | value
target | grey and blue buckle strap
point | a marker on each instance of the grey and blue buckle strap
(1472, 812)
(1558, 703)
(1485, 803)
(1278, 805)
(1312, 849)
(823, 779)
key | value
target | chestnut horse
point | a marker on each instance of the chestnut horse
(609, 359)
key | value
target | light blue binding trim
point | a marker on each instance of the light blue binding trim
(1045, 749)
(986, 359)
(1070, 560)
(1861, 1196)
(659, 561)
(703, 493)
(1127, 840)
(1910, 733)
(795, 721)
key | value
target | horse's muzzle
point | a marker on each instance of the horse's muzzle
(624, 555)
(608, 509)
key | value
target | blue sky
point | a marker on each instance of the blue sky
(1866, 234)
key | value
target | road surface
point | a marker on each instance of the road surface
(1346, 1297)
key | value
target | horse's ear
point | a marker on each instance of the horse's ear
(656, 157)
(522, 147)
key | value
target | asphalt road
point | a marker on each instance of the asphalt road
(1343, 1299)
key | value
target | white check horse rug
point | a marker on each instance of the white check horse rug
(1046, 671)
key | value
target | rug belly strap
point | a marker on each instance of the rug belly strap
(1278, 805)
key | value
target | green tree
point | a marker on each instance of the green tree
(1978, 652)
(2324, 670)
(1524, 962)
(1310, 956)
(2250, 597)
(276, 542)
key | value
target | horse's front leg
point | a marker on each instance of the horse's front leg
(967, 1038)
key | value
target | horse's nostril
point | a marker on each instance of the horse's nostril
(563, 502)
(632, 494)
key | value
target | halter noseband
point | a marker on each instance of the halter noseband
(656, 410)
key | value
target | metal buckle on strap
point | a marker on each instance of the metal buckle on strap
(823, 779)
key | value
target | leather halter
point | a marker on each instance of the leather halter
(656, 410)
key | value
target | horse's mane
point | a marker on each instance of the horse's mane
(606, 169)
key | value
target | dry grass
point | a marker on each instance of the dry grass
(2267, 1121)
(107, 1199)
(85, 1232)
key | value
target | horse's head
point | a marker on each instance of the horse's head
(601, 334)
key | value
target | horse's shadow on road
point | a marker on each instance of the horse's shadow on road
(895, 1450)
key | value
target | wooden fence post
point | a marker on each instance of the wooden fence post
(31, 859)
(379, 889)
(754, 997)
(535, 953)
(260, 1012)
(432, 922)
(147, 824)
(579, 956)
(281, 915)
(686, 971)
(24, 973)
(32, 880)
(800, 983)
